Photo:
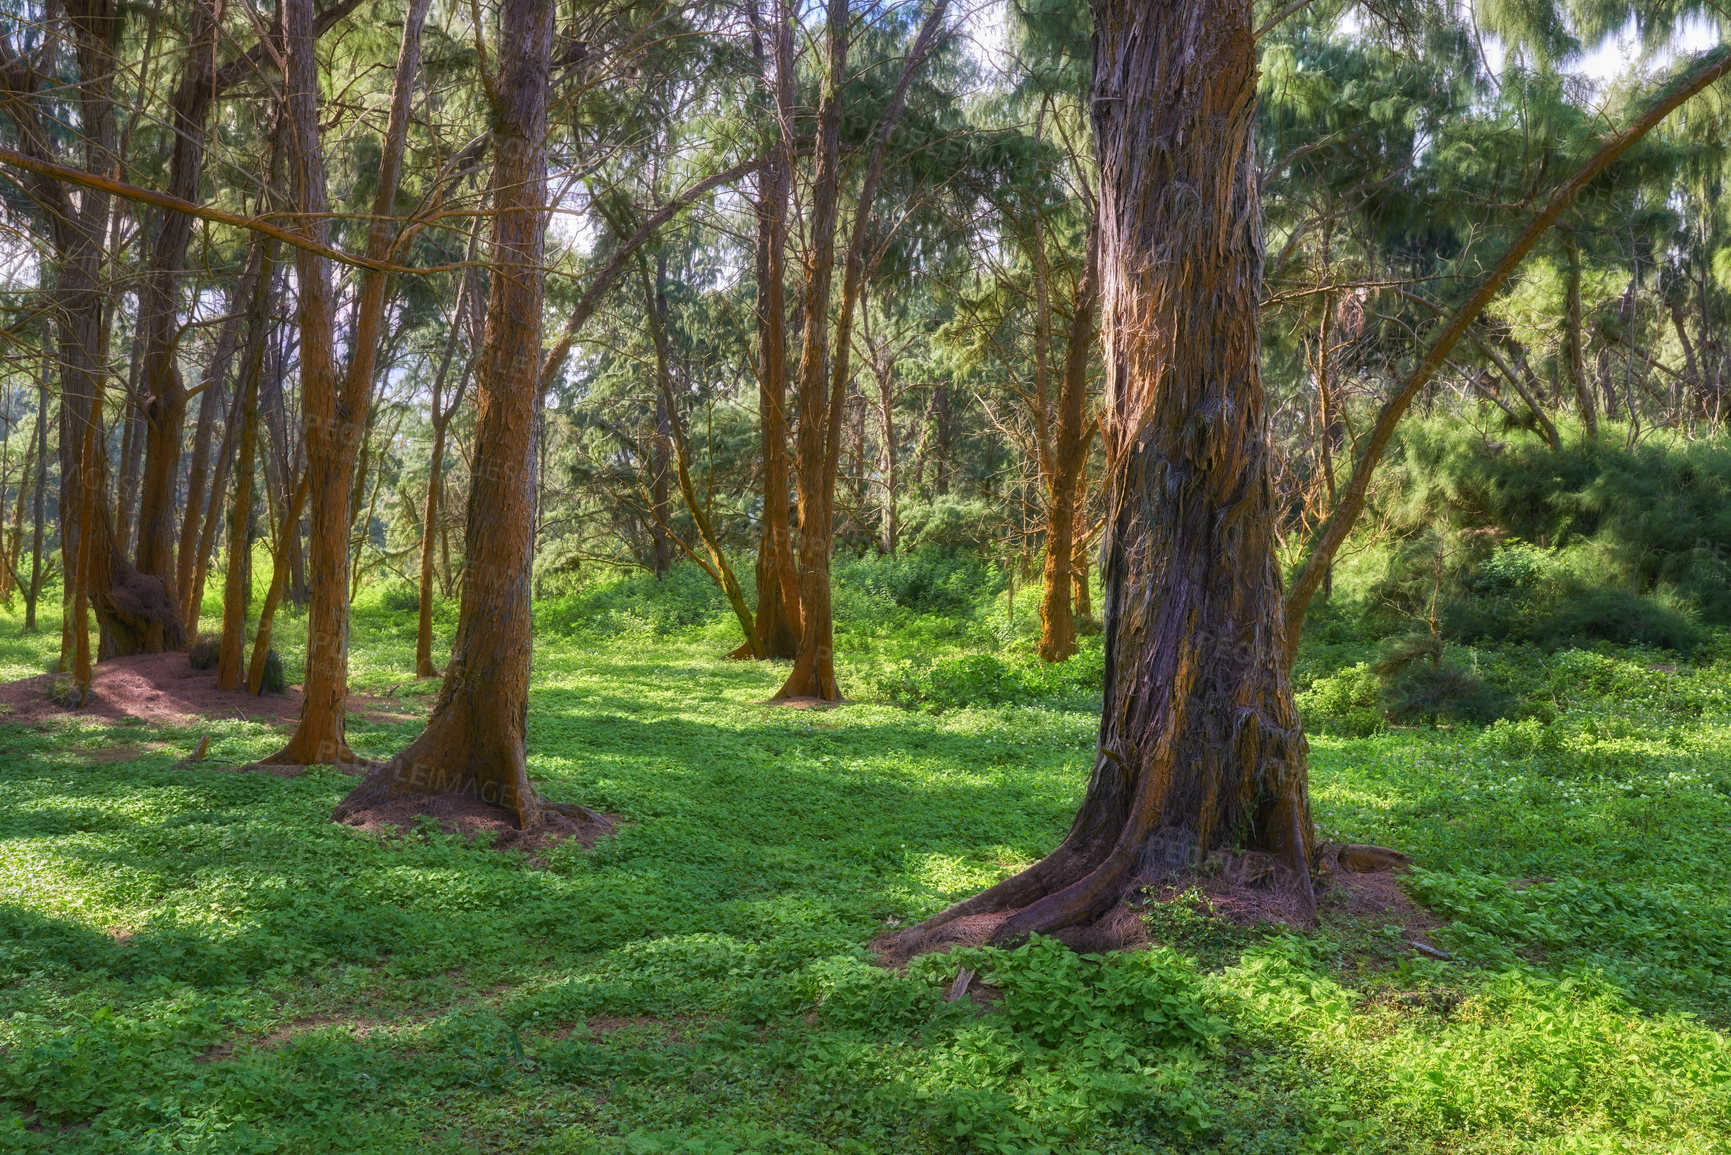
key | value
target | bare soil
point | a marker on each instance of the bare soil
(164, 690)
(465, 814)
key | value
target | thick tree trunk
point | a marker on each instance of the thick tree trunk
(1200, 746)
(813, 673)
(475, 739)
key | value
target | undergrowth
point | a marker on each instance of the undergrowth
(195, 960)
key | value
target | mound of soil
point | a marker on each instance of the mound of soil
(164, 690)
(463, 813)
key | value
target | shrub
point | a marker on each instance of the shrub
(1618, 616)
(400, 598)
(1445, 691)
(205, 652)
(273, 680)
(1347, 702)
(926, 581)
(64, 692)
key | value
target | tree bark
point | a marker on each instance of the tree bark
(1063, 462)
(1573, 363)
(475, 740)
(165, 393)
(335, 412)
(824, 374)
(778, 616)
(1200, 746)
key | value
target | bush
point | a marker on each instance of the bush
(273, 680)
(926, 581)
(1618, 616)
(399, 598)
(1347, 702)
(64, 692)
(205, 652)
(1444, 691)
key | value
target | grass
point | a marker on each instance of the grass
(195, 960)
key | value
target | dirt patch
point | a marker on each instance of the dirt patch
(164, 690)
(463, 813)
(804, 703)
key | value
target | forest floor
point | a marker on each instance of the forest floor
(194, 959)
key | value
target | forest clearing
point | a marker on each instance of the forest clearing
(1143, 576)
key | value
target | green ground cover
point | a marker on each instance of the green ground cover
(193, 959)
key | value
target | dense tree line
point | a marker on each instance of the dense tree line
(464, 298)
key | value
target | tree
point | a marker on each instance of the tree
(475, 741)
(1200, 746)
(335, 414)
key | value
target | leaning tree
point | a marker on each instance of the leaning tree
(1200, 747)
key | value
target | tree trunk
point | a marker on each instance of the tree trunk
(1573, 363)
(39, 500)
(237, 581)
(212, 400)
(1066, 459)
(475, 740)
(335, 418)
(441, 417)
(715, 564)
(159, 310)
(823, 371)
(1200, 746)
(778, 617)
(279, 580)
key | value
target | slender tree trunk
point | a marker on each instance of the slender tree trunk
(1572, 338)
(159, 308)
(715, 564)
(38, 511)
(335, 417)
(257, 293)
(441, 417)
(1068, 457)
(212, 400)
(823, 371)
(1200, 746)
(236, 581)
(778, 615)
(475, 739)
(279, 580)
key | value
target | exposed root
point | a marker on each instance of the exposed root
(1243, 887)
